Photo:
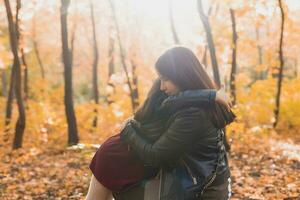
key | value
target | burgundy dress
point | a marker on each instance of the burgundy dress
(115, 167)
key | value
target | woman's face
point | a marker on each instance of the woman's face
(167, 86)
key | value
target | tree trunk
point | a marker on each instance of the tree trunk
(111, 55)
(37, 53)
(26, 88)
(260, 55)
(111, 66)
(68, 97)
(210, 42)
(135, 83)
(174, 32)
(17, 21)
(36, 49)
(95, 66)
(4, 82)
(296, 68)
(204, 57)
(72, 42)
(9, 102)
(281, 60)
(233, 64)
(20, 45)
(20, 125)
(111, 61)
(123, 56)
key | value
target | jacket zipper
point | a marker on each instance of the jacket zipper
(209, 182)
(215, 173)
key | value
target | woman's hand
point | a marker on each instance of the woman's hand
(125, 122)
(223, 98)
(130, 122)
(129, 126)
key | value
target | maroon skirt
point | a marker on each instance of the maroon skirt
(115, 167)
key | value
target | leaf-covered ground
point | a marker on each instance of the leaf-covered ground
(262, 167)
(265, 167)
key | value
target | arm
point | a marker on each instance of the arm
(184, 131)
(202, 97)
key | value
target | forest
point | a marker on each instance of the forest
(73, 71)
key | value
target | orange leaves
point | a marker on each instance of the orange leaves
(45, 174)
(260, 68)
(242, 79)
(260, 171)
(240, 12)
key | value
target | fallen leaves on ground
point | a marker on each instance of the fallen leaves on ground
(261, 168)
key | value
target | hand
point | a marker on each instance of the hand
(135, 124)
(128, 130)
(124, 124)
(223, 98)
(128, 126)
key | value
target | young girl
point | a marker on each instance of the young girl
(116, 166)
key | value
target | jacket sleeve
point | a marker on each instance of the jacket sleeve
(183, 132)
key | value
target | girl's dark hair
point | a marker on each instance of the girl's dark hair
(181, 66)
(155, 97)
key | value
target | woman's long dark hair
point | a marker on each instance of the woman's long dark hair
(155, 97)
(181, 66)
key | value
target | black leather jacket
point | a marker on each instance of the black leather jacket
(190, 139)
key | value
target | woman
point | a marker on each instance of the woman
(194, 137)
(154, 148)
